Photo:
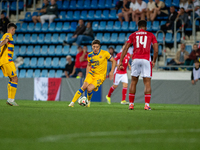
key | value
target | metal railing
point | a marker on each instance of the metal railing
(8, 8)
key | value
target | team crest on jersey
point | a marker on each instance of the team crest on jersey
(100, 56)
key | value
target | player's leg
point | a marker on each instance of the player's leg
(90, 88)
(120, 17)
(132, 91)
(124, 81)
(51, 18)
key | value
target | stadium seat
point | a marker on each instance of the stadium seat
(105, 15)
(83, 15)
(18, 27)
(16, 50)
(160, 38)
(69, 35)
(35, 14)
(58, 50)
(133, 26)
(59, 4)
(168, 38)
(58, 74)
(109, 26)
(108, 3)
(22, 51)
(37, 73)
(55, 38)
(36, 51)
(168, 3)
(22, 73)
(99, 36)
(160, 50)
(113, 46)
(59, 27)
(47, 63)
(26, 63)
(121, 38)
(38, 27)
(44, 73)
(45, 27)
(113, 15)
(29, 51)
(69, 15)
(1, 74)
(117, 26)
(33, 39)
(72, 5)
(155, 26)
(106, 38)
(33, 62)
(125, 26)
(29, 73)
(62, 16)
(65, 5)
(52, 27)
(178, 37)
(62, 63)
(188, 48)
(176, 3)
(104, 47)
(101, 4)
(149, 26)
(40, 62)
(95, 26)
(13, 5)
(66, 27)
(20, 38)
(118, 48)
(86, 5)
(14, 37)
(47, 39)
(79, 4)
(24, 27)
(90, 15)
(55, 62)
(31, 27)
(73, 50)
(114, 3)
(66, 50)
(76, 15)
(114, 38)
(51, 51)
(73, 26)
(26, 39)
(94, 4)
(89, 48)
(98, 15)
(28, 16)
(162, 22)
(44, 50)
(61, 38)
(102, 26)
(51, 74)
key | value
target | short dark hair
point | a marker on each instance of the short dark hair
(96, 42)
(172, 6)
(142, 23)
(111, 48)
(183, 8)
(11, 25)
(196, 61)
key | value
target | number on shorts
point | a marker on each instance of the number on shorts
(140, 41)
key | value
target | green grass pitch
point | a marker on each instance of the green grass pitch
(54, 126)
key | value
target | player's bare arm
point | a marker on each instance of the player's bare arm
(113, 68)
(124, 52)
(4, 42)
(88, 68)
(155, 54)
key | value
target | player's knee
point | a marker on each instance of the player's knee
(115, 86)
(89, 89)
(14, 79)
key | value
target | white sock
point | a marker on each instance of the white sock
(147, 104)
(11, 100)
(72, 103)
(131, 103)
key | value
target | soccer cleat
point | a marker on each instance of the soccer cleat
(12, 103)
(88, 105)
(131, 107)
(124, 102)
(108, 99)
(71, 104)
(147, 107)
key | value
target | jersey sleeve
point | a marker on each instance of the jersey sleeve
(117, 56)
(154, 40)
(107, 55)
(130, 39)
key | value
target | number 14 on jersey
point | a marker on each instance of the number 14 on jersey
(140, 41)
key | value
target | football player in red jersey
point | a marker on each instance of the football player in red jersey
(120, 76)
(141, 64)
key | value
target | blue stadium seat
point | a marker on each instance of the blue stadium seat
(163, 22)
(31, 27)
(35, 14)
(55, 38)
(109, 26)
(73, 50)
(59, 26)
(94, 4)
(18, 27)
(160, 38)
(44, 73)
(178, 37)
(69, 15)
(1, 74)
(72, 5)
(104, 47)
(52, 27)
(27, 39)
(22, 51)
(33, 39)
(59, 4)
(66, 27)
(125, 26)
(108, 4)
(40, 62)
(168, 3)
(33, 62)
(58, 74)
(51, 74)
(14, 37)
(112, 14)
(47, 39)
(188, 48)
(117, 26)
(58, 50)
(38, 27)
(65, 5)
(76, 15)
(102, 26)
(20, 5)
(69, 35)
(51, 51)
(114, 3)
(16, 50)
(114, 38)
(73, 26)
(29, 73)
(20, 38)
(83, 15)
(28, 16)
(66, 50)
(37, 73)
(168, 38)
(79, 4)
(24, 27)
(105, 15)
(86, 5)
(22, 73)
(133, 26)
(55, 62)
(29, 51)
(89, 48)
(101, 4)
(62, 63)
(45, 27)
(149, 26)
(176, 3)
(62, 38)
(90, 15)
(99, 36)
(95, 26)
(44, 50)
(118, 48)
(106, 38)
(98, 15)
(121, 38)
(36, 51)
(62, 16)
(47, 63)
(26, 63)
(155, 26)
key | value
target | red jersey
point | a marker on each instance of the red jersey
(142, 41)
(79, 64)
(84, 63)
(124, 62)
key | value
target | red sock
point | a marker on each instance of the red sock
(124, 91)
(110, 91)
(131, 98)
(147, 98)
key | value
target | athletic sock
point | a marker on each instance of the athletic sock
(131, 98)
(124, 91)
(89, 96)
(9, 92)
(77, 95)
(111, 91)
(13, 90)
(147, 99)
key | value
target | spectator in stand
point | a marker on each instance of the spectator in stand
(69, 68)
(184, 4)
(43, 11)
(183, 16)
(140, 10)
(170, 21)
(83, 61)
(194, 55)
(79, 30)
(51, 12)
(150, 8)
(160, 10)
(180, 57)
(193, 4)
(113, 54)
(119, 4)
(3, 23)
(125, 11)
(195, 76)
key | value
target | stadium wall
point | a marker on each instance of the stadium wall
(163, 91)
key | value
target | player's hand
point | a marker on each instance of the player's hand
(120, 66)
(153, 64)
(111, 75)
